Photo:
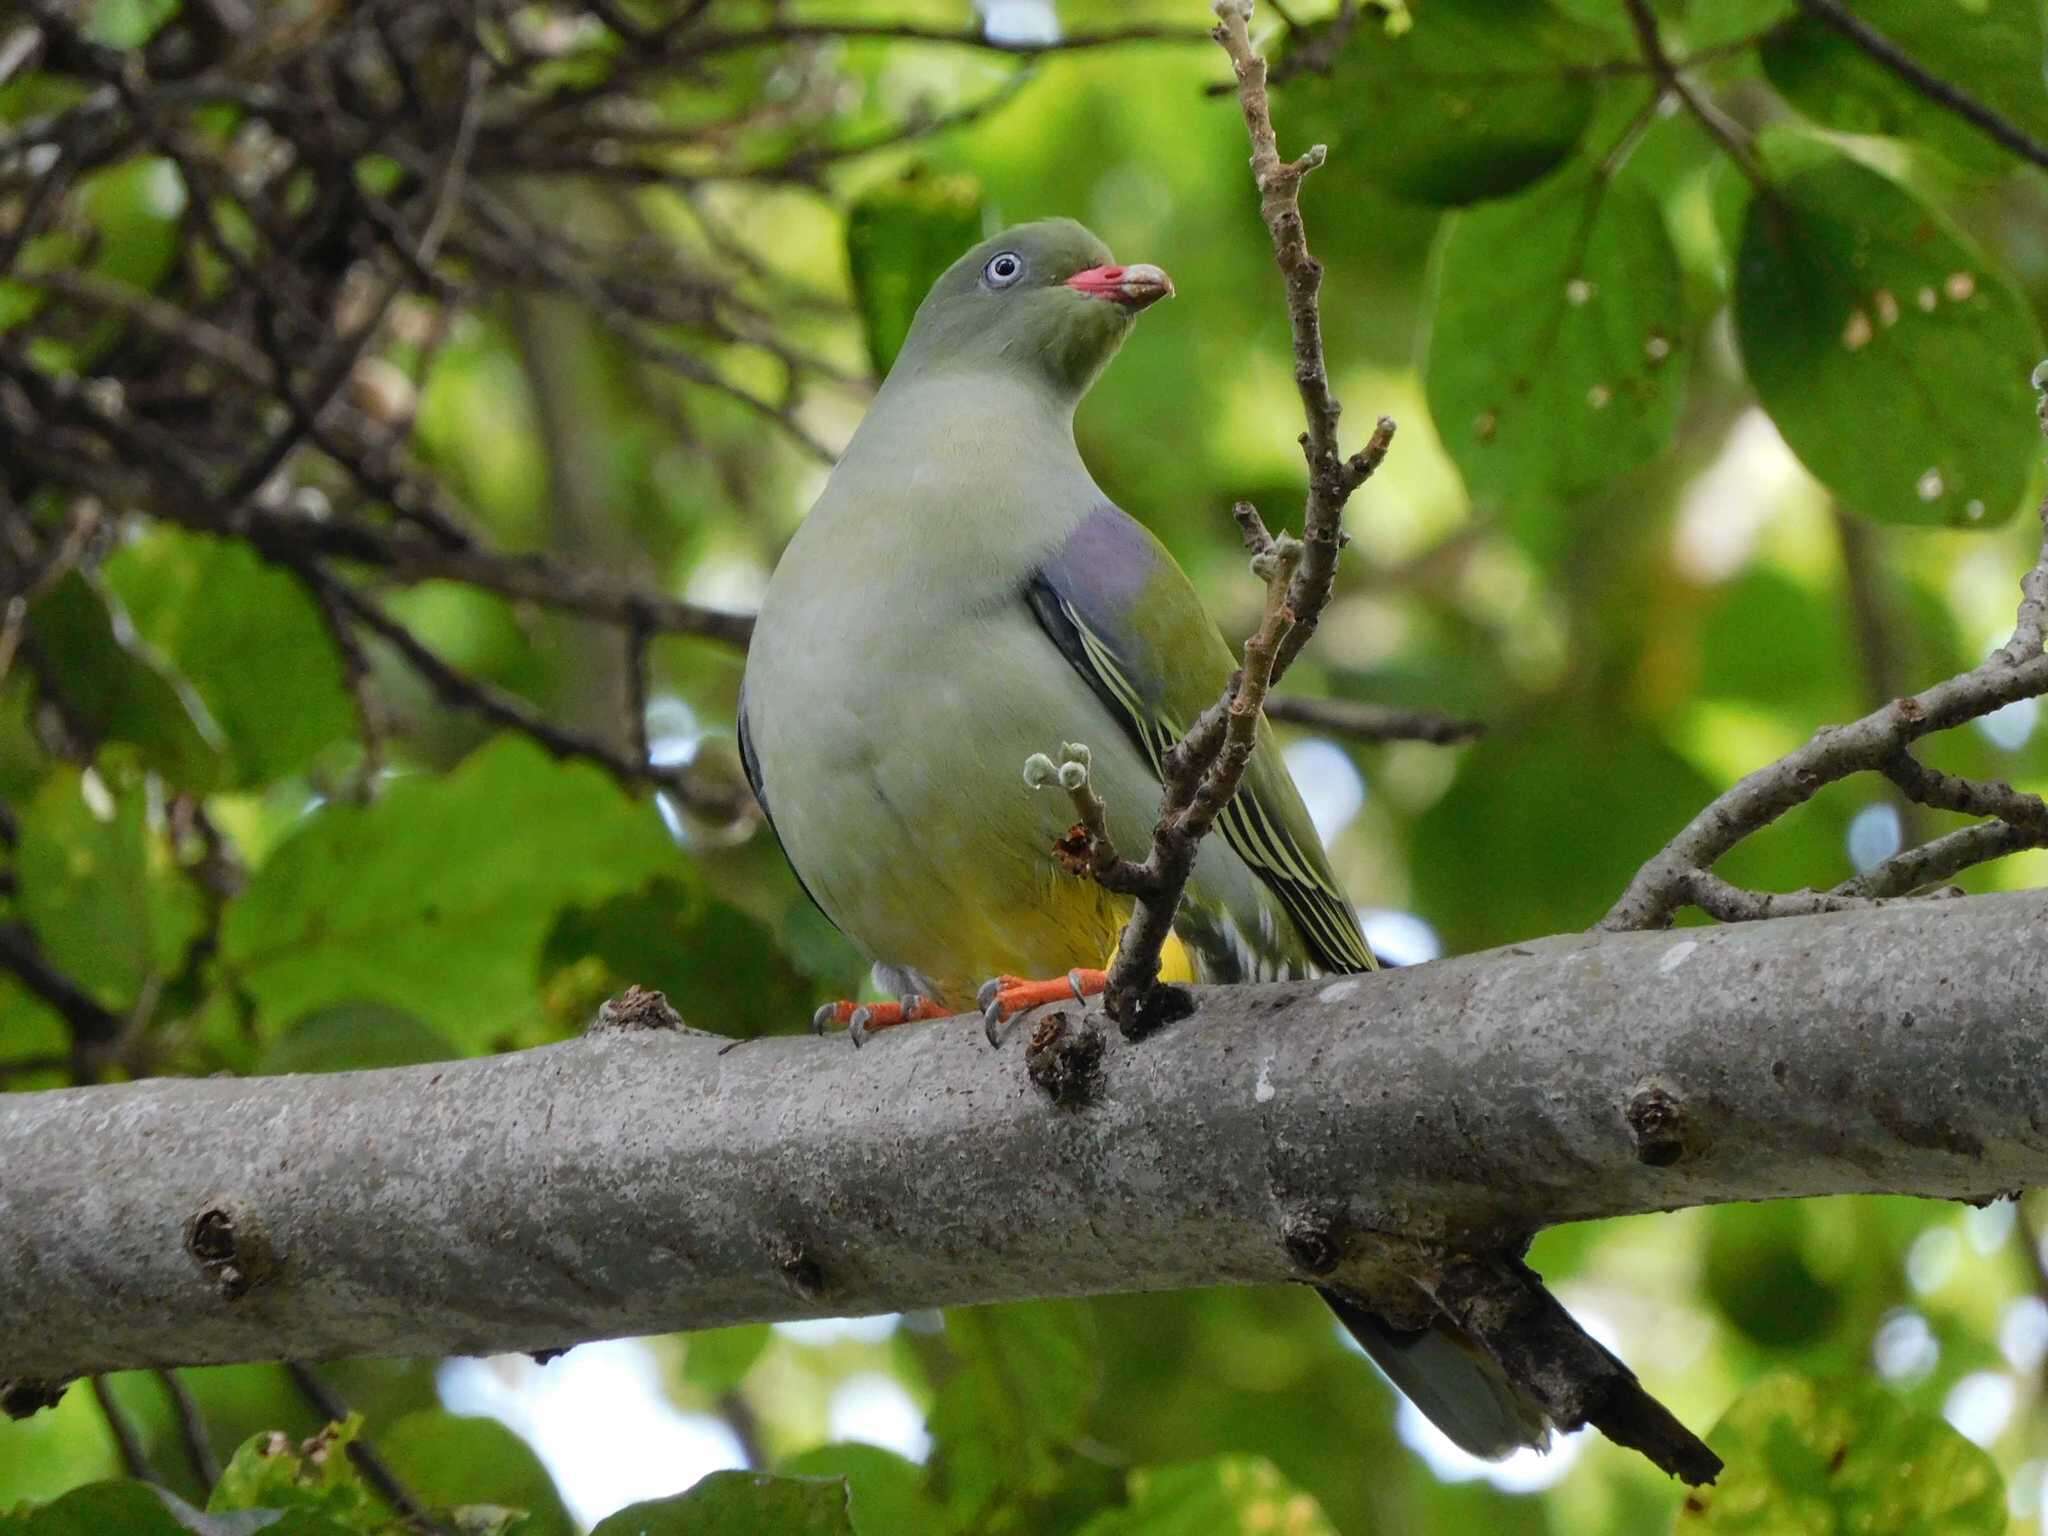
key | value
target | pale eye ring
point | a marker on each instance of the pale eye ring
(1003, 269)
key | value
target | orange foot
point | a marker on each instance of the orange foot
(863, 1019)
(1004, 997)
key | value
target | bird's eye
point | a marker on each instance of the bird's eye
(1003, 269)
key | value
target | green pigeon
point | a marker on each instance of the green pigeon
(962, 596)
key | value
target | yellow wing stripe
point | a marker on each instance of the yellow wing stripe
(1322, 913)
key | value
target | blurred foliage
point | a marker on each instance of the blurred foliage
(1692, 460)
(1817, 1455)
(738, 1504)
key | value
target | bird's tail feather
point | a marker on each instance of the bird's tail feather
(1458, 1386)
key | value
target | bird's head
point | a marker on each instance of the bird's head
(1046, 297)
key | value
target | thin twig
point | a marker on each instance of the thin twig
(1202, 771)
(92, 1026)
(1719, 127)
(779, 34)
(1950, 97)
(376, 1471)
(1372, 722)
(372, 720)
(1875, 622)
(134, 1456)
(1659, 887)
(460, 691)
(1730, 903)
(745, 1424)
(1973, 797)
(1331, 476)
(1880, 742)
(1941, 859)
(638, 635)
(192, 1429)
(524, 577)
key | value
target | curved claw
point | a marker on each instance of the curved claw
(992, 1019)
(1074, 985)
(857, 1027)
(985, 997)
(827, 1014)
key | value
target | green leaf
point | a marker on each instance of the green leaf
(1993, 48)
(1565, 366)
(133, 210)
(1843, 1455)
(1720, 23)
(899, 237)
(114, 690)
(120, 226)
(449, 1461)
(740, 1504)
(270, 1471)
(436, 899)
(1758, 1274)
(1462, 101)
(353, 1037)
(1229, 1496)
(245, 636)
(1027, 1375)
(887, 1492)
(717, 1360)
(97, 884)
(1619, 789)
(1891, 356)
(127, 23)
(1687, 25)
(488, 1520)
(673, 936)
(127, 1508)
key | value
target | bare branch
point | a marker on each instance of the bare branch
(192, 1431)
(1973, 797)
(372, 722)
(134, 1458)
(1371, 722)
(1940, 859)
(1331, 476)
(526, 577)
(92, 1026)
(1730, 903)
(1202, 770)
(1729, 135)
(778, 34)
(1877, 743)
(459, 691)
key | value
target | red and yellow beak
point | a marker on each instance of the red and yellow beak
(1133, 287)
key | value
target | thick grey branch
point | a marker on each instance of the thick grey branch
(639, 1181)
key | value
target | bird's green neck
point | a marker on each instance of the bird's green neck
(1058, 344)
(960, 418)
(972, 477)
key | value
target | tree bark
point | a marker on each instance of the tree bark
(1350, 1130)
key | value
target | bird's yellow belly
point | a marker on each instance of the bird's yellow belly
(921, 839)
